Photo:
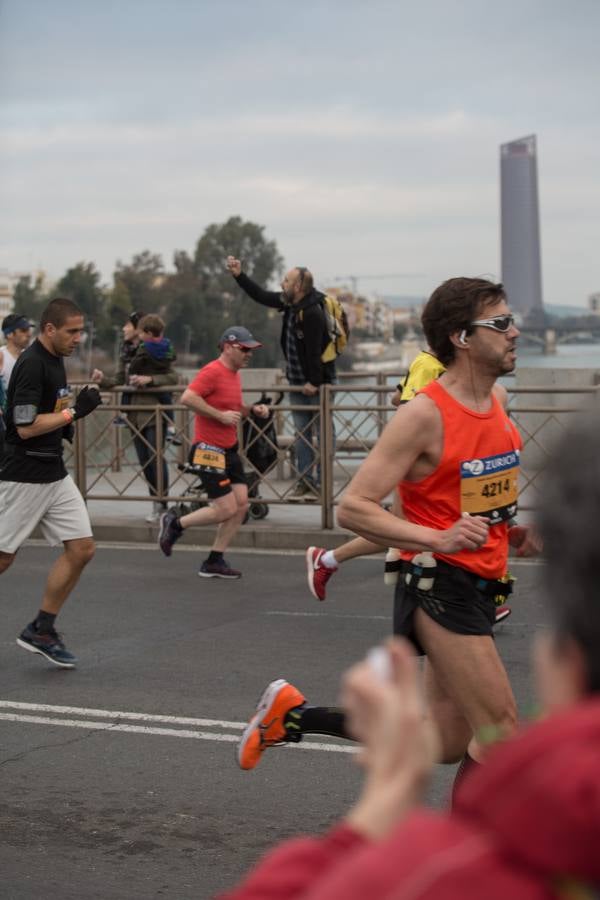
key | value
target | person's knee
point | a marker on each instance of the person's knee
(225, 508)
(80, 552)
(502, 724)
(508, 718)
(242, 506)
(6, 560)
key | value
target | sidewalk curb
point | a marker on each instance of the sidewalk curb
(252, 536)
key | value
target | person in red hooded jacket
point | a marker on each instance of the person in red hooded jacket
(524, 825)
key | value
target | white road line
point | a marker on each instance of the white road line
(114, 723)
(119, 714)
(91, 725)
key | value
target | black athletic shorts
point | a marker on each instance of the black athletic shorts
(454, 602)
(218, 484)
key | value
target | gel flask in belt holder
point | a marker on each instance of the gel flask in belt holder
(393, 565)
(427, 563)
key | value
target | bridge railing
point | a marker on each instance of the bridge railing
(114, 448)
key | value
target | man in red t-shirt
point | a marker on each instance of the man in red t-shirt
(215, 395)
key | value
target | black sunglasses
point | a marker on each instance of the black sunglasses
(243, 349)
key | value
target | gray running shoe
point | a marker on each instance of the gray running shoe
(48, 645)
(219, 569)
(169, 532)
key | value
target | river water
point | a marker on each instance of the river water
(567, 356)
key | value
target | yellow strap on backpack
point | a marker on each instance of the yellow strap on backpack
(338, 331)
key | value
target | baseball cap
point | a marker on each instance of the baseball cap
(237, 334)
(13, 321)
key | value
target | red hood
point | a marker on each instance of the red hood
(541, 798)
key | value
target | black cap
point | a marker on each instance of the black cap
(237, 334)
(13, 321)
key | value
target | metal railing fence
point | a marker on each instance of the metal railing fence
(118, 446)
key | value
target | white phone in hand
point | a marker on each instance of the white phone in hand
(380, 662)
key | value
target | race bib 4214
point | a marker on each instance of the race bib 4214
(489, 486)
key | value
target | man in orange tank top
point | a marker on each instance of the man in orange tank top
(453, 454)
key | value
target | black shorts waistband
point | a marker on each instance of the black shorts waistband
(493, 587)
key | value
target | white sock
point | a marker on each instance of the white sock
(328, 560)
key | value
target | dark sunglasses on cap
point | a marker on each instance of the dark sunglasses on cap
(243, 349)
(498, 323)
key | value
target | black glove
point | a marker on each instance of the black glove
(68, 433)
(87, 401)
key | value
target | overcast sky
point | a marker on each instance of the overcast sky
(363, 135)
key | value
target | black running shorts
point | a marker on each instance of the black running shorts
(454, 602)
(218, 484)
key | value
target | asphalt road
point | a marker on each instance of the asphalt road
(102, 806)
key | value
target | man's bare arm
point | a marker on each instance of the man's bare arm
(199, 405)
(43, 423)
(411, 438)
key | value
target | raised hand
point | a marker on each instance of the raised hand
(234, 266)
(400, 745)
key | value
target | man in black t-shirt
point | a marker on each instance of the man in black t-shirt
(35, 488)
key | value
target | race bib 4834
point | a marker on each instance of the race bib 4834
(489, 486)
(209, 458)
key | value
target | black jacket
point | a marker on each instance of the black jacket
(310, 329)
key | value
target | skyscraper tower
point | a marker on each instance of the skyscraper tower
(520, 226)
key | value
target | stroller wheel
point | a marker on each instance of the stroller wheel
(258, 510)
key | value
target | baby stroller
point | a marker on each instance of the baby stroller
(259, 446)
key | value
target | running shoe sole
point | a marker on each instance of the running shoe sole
(219, 575)
(503, 615)
(265, 701)
(52, 659)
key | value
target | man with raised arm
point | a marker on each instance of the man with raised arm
(304, 337)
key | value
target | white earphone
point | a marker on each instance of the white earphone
(462, 338)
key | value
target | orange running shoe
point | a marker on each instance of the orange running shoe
(266, 727)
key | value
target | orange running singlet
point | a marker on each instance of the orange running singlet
(477, 473)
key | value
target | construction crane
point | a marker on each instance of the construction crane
(354, 279)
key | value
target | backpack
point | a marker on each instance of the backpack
(338, 329)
